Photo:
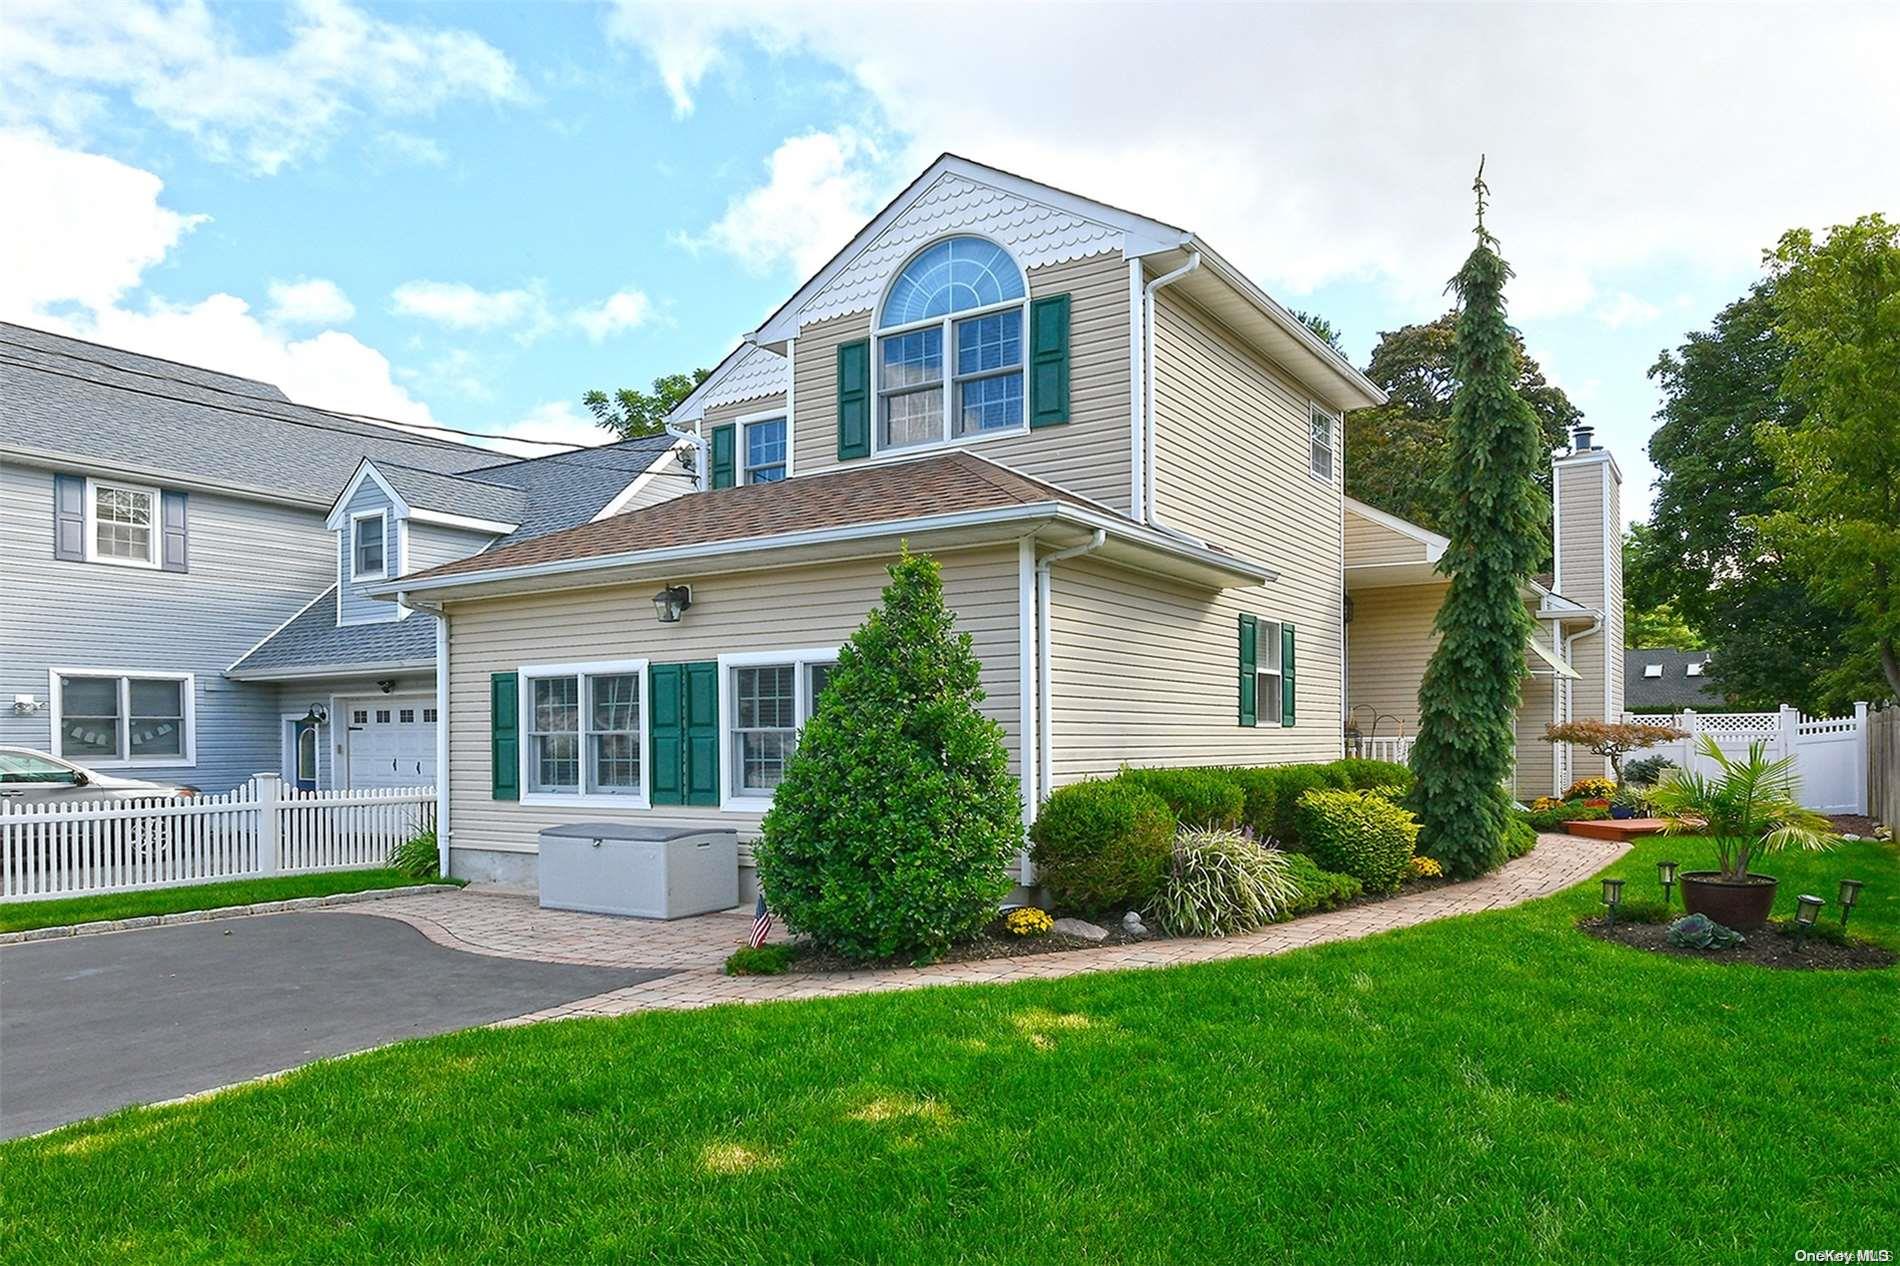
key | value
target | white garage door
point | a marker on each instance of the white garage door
(391, 743)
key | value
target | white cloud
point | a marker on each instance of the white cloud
(820, 188)
(187, 67)
(410, 148)
(76, 227)
(619, 312)
(555, 420)
(312, 301)
(81, 231)
(461, 306)
(1313, 145)
(1625, 308)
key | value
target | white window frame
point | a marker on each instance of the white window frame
(355, 518)
(1268, 645)
(188, 756)
(1652, 672)
(742, 459)
(731, 798)
(1333, 427)
(155, 547)
(1695, 668)
(947, 323)
(531, 673)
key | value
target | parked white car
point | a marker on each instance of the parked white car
(28, 777)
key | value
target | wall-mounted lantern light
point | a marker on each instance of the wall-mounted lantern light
(316, 716)
(671, 603)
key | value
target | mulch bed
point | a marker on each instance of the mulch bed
(1770, 947)
(1854, 824)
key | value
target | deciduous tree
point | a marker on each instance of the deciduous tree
(632, 413)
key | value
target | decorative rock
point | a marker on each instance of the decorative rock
(1081, 929)
(1132, 924)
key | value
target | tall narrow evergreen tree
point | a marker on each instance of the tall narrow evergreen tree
(1496, 517)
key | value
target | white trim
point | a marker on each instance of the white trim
(403, 610)
(791, 427)
(1137, 394)
(468, 523)
(693, 408)
(287, 757)
(367, 470)
(155, 545)
(1028, 671)
(279, 629)
(1249, 571)
(730, 799)
(188, 699)
(1435, 545)
(619, 504)
(1335, 442)
(526, 676)
(740, 466)
(381, 515)
(442, 823)
(324, 672)
(1140, 235)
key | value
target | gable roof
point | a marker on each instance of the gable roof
(748, 372)
(1674, 690)
(1042, 224)
(939, 492)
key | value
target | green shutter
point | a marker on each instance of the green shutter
(701, 733)
(504, 736)
(1248, 665)
(854, 400)
(1049, 361)
(665, 774)
(723, 438)
(1286, 674)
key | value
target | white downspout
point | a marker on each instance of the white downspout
(698, 441)
(1045, 741)
(1570, 658)
(442, 741)
(1150, 515)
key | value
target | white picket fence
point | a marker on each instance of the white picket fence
(1830, 752)
(162, 842)
(1394, 748)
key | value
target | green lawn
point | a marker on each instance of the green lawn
(1495, 1088)
(21, 915)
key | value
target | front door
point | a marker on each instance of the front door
(683, 738)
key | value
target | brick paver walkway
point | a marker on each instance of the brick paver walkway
(515, 927)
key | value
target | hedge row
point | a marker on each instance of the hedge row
(1262, 800)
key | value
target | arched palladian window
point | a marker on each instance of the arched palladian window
(966, 295)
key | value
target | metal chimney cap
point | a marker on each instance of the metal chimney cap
(1581, 437)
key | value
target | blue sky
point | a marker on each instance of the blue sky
(469, 214)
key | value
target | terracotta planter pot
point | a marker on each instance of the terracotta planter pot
(1742, 905)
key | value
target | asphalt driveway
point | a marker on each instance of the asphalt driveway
(93, 1023)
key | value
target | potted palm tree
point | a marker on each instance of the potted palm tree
(1748, 808)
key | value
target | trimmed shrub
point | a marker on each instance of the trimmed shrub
(1554, 819)
(1361, 774)
(1290, 782)
(1361, 833)
(1102, 845)
(1318, 889)
(897, 817)
(1221, 882)
(1647, 771)
(1519, 837)
(761, 960)
(1205, 798)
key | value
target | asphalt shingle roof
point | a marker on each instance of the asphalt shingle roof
(455, 494)
(565, 489)
(313, 640)
(946, 484)
(1675, 689)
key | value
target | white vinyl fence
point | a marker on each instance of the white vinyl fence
(1830, 752)
(1394, 748)
(162, 842)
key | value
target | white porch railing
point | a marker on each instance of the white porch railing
(1394, 748)
(1830, 752)
(162, 842)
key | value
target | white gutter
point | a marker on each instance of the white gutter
(442, 742)
(1045, 742)
(1150, 439)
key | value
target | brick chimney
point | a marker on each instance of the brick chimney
(1587, 530)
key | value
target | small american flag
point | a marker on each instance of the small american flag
(761, 923)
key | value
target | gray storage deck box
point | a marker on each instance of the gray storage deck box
(650, 871)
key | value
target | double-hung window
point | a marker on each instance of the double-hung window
(585, 731)
(950, 346)
(123, 718)
(768, 697)
(122, 524)
(368, 546)
(1321, 428)
(765, 451)
(1268, 677)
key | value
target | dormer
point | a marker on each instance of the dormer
(391, 520)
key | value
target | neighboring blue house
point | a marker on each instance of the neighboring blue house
(184, 553)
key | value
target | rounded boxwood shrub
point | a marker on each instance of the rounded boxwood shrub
(1199, 797)
(1361, 774)
(1318, 889)
(1519, 837)
(1361, 833)
(1221, 882)
(1290, 782)
(1102, 845)
(893, 827)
